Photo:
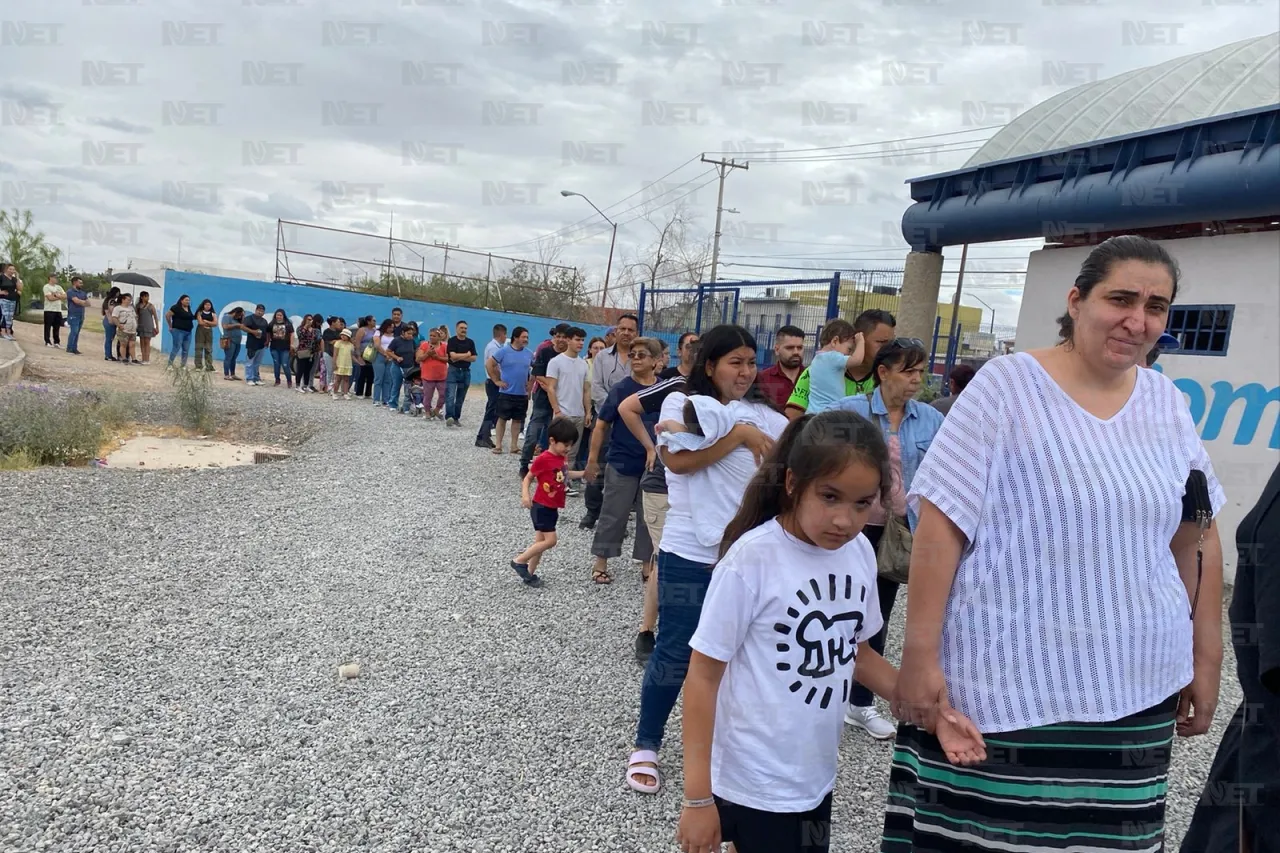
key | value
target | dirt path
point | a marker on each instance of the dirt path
(91, 370)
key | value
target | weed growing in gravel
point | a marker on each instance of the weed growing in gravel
(193, 388)
(43, 426)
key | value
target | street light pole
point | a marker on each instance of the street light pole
(604, 293)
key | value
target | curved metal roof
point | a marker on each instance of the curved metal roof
(1240, 76)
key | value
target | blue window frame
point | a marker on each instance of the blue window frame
(1201, 329)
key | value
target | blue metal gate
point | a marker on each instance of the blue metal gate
(762, 307)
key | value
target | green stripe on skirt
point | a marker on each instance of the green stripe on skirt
(1086, 788)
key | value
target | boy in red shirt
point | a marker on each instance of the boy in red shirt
(547, 474)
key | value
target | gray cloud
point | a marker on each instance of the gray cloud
(464, 121)
(118, 124)
(279, 206)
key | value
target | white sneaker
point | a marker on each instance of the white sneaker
(869, 720)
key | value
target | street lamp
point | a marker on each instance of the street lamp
(609, 266)
(989, 308)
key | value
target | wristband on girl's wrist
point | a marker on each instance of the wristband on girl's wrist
(700, 804)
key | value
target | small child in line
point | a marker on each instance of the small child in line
(842, 349)
(343, 355)
(783, 633)
(547, 475)
(126, 323)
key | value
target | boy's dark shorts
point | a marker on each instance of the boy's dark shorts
(544, 518)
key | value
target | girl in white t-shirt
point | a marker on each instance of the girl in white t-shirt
(791, 605)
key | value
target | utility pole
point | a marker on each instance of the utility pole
(445, 267)
(955, 312)
(723, 166)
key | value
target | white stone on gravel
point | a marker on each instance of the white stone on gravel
(167, 652)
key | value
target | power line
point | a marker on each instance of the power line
(615, 204)
(882, 142)
(870, 155)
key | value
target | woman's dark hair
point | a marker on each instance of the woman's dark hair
(897, 353)
(712, 347)
(282, 314)
(236, 312)
(368, 320)
(178, 302)
(203, 303)
(386, 327)
(145, 294)
(307, 320)
(1105, 255)
(113, 293)
(811, 447)
(591, 342)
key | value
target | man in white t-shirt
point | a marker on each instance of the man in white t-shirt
(567, 388)
(54, 298)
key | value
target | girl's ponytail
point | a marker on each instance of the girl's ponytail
(766, 493)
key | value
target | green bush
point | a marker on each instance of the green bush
(43, 426)
(192, 391)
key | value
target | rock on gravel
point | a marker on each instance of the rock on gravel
(167, 655)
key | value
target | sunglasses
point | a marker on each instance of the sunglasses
(905, 343)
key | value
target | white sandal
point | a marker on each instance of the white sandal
(637, 766)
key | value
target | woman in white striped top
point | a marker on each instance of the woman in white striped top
(1051, 587)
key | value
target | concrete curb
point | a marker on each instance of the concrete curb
(12, 358)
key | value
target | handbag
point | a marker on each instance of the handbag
(893, 553)
(368, 353)
(1197, 507)
(225, 343)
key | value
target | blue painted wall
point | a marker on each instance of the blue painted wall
(296, 300)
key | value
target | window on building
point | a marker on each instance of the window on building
(1201, 329)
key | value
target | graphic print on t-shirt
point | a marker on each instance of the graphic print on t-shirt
(827, 643)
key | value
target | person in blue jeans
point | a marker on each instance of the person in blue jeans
(77, 299)
(400, 358)
(181, 321)
(108, 328)
(461, 352)
(381, 340)
(280, 332)
(726, 371)
(233, 329)
(257, 334)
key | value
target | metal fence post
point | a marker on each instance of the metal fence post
(697, 322)
(640, 312)
(933, 348)
(833, 298)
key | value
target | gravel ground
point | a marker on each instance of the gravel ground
(170, 670)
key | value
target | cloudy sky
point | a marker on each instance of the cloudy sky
(131, 126)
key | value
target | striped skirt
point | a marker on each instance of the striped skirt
(1078, 787)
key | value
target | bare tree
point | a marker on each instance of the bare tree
(676, 257)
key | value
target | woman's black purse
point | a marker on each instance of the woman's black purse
(1197, 507)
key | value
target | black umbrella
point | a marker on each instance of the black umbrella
(136, 279)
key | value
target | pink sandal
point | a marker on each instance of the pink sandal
(637, 766)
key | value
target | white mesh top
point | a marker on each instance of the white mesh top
(1067, 604)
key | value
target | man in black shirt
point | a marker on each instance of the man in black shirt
(536, 427)
(461, 352)
(402, 351)
(256, 339)
(397, 320)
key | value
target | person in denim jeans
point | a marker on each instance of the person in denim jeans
(382, 361)
(232, 332)
(725, 371)
(461, 352)
(257, 334)
(109, 328)
(181, 321)
(77, 299)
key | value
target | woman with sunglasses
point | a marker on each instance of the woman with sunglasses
(909, 427)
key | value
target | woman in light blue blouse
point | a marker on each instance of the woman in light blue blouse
(909, 427)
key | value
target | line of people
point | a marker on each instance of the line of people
(1063, 566)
